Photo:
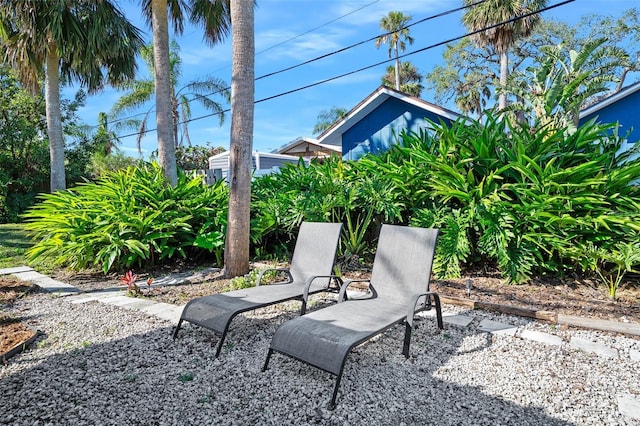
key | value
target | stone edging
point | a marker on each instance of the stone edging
(552, 317)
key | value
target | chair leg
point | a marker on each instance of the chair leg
(303, 308)
(175, 332)
(332, 404)
(219, 344)
(436, 300)
(407, 340)
(266, 361)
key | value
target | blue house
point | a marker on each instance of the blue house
(622, 107)
(374, 124)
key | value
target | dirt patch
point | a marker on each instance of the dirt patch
(567, 296)
(13, 331)
(563, 296)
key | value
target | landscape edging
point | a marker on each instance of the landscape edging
(548, 316)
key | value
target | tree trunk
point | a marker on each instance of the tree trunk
(236, 253)
(164, 121)
(54, 120)
(397, 70)
(504, 74)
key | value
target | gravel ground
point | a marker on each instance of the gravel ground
(100, 364)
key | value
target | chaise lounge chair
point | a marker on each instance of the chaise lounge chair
(310, 272)
(400, 287)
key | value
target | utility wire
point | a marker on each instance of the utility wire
(447, 12)
(260, 52)
(317, 83)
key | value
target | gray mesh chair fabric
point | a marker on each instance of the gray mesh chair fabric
(400, 287)
(310, 272)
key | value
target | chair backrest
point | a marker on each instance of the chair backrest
(315, 250)
(402, 265)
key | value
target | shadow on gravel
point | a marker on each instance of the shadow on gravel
(115, 370)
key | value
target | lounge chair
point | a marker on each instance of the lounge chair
(310, 272)
(400, 287)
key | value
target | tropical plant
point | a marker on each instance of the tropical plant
(196, 157)
(468, 75)
(491, 22)
(66, 41)
(326, 118)
(128, 217)
(507, 197)
(555, 90)
(129, 279)
(236, 260)
(410, 79)
(141, 91)
(610, 263)
(395, 23)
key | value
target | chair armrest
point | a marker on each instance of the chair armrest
(417, 305)
(290, 278)
(310, 280)
(343, 288)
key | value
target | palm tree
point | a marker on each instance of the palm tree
(236, 253)
(410, 79)
(215, 17)
(558, 87)
(141, 91)
(502, 37)
(90, 42)
(106, 140)
(326, 118)
(394, 23)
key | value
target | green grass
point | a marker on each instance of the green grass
(14, 243)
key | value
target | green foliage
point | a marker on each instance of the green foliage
(195, 157)
(326, 191)
(469, 74)
(128, 217)
(516, 198)
(24, 156)
(610, 262)
(102, 164)
(250, 279)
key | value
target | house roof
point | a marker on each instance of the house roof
(256, 154)
(370, 103)
(310, 142)
(610, 100)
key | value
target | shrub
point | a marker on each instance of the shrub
(516, 197)
(128, 217)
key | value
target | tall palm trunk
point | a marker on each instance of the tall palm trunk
(164, 120)
(397, 69)
(236, 254)
(54, 119)
(504, 74)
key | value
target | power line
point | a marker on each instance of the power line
(317, 83)
(438, 15)
(262, 51)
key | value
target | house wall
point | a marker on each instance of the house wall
(259, 161)
(624, 111)
(377, 131)
(270, 162)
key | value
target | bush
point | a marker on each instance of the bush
(129, 217)
(517, 197)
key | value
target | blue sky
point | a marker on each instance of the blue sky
(289, 32)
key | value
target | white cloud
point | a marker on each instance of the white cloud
(374, 12)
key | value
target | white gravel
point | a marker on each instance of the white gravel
(97, 364)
